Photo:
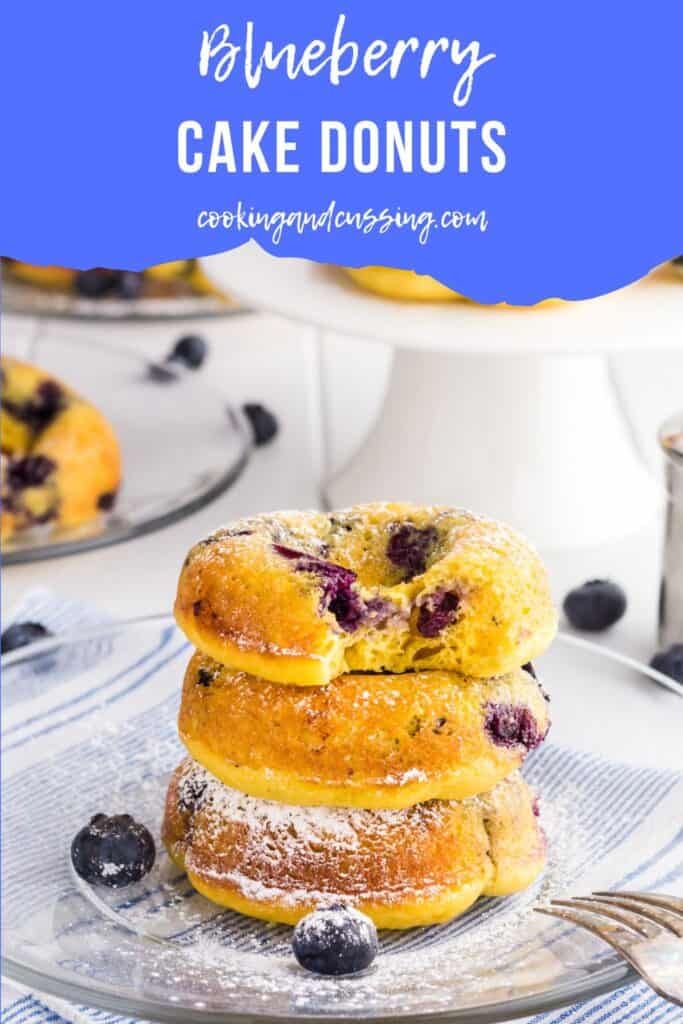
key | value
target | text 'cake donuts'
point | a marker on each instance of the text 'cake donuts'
(302, 597)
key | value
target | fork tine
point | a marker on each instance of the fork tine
(646, 929)
(612, 934)
(657, 960)
(653, 912)
(672, 903)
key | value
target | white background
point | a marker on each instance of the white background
(262, 358)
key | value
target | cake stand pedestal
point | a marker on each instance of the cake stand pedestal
(511, 412)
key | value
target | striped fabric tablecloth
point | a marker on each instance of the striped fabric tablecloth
(662, 867)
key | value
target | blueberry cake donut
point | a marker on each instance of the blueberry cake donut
(60, 461)
(417, 866)
(164, 280)
(302, 597)
(677, 266)
(393, 283)
(368, 740)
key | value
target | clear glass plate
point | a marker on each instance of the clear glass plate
(173, 463)
(97, 733)
(26, 299)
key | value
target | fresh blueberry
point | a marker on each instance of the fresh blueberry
(21, 634)
(31, 471)
(439, 610)
(112, 851)
(335, 940)
(510, 725)
(263, 423)
(129, 284)
(190, 350)
(670, 662)
(96, 282)
(409, 548)
(106, 501)
(595, 605)
(160, 373)
(39, 410)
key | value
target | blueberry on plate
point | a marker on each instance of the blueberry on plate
(21, 634)
(190, 350)
(113, 851)
(595, 605)
(161, 373)
(670, 662)
(96, 282)
(129, 284)
(264, 425)
(335, 940)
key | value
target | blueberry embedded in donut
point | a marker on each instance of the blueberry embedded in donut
(106, 501)
(26, 489)
(204, 677)
(29, 471)
(436, 612)
(191, 792)
(409, 548)
(338, 597)
(40, 410)
(510, 725)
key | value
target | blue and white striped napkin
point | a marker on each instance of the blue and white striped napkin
(43, 710)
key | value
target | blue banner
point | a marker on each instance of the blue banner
(513, 151)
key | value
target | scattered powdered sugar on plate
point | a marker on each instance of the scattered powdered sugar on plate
(211, 950)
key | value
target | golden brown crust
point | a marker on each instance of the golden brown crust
(246, 604)
(363, 740)
(406, 285)
(420, 865)
(78, 441)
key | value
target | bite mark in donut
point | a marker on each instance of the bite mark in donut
(302, 597)
(338, 595)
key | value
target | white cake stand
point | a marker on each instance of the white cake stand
(510, 411)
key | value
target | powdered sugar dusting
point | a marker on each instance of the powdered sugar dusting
(297, 827)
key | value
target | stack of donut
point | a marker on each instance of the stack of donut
(357, 711)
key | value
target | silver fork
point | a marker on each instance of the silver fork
(647, 930)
